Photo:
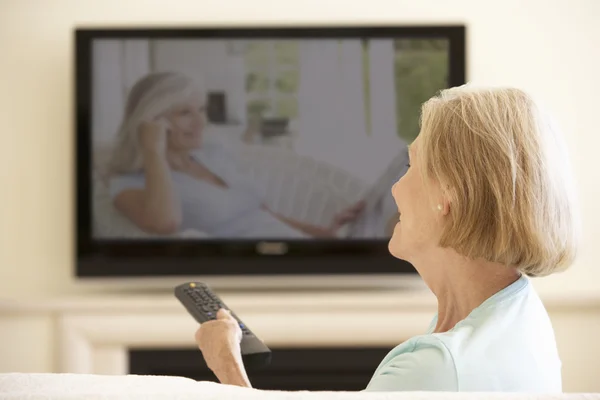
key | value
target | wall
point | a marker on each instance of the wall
(547, 47)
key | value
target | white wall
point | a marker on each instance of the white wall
(550, 47)
(332, 123)
(209, 63)
(547, 47)
(117, 65)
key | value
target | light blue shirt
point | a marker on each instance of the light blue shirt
(221, 212)
(506, 344)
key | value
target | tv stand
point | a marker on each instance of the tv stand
(95, 333)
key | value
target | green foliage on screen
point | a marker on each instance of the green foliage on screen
(421, 67)
(421, 70)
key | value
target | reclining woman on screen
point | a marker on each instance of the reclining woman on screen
(165, 178)
(488, 200)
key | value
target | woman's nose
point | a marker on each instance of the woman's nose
(198, 119)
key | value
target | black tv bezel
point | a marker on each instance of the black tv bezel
(154, 258)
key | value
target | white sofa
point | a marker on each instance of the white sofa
(132, 387)
(298, 187)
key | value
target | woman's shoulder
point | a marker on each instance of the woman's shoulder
(121, 182)
(421, 363)
(126, 178)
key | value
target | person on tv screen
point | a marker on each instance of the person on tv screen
(487, 203)
(165, 178)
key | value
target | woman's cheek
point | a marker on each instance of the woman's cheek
(184, 123)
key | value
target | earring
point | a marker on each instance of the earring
(439, 207)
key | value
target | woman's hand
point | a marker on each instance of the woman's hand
(219, 340)
(155, 208)
(153, 139)
(153, 136)
(347, 215)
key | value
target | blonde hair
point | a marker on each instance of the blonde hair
(148, 98)
(503, 165)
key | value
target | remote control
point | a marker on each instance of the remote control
(203, 304)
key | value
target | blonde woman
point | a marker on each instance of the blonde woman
(486, 203)
(165, 177)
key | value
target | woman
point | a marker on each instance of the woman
(166, 178)
(486, 202)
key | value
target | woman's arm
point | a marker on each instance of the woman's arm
(347, 215)
(155, 208)
(231, 371)
(219, 340)
(309, 229)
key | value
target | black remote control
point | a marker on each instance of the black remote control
(203, 304)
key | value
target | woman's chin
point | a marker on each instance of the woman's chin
(193, 139)
(395, 244)
(194, 144)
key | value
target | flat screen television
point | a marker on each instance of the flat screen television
(248, 151)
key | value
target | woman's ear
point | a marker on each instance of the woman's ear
(450, 197)
(445, 203)
(166, 123)
(445, 209)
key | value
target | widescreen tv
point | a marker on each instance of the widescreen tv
(248, 151)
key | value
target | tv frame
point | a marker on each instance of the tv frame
(224, 258)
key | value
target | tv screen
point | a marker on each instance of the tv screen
(249, 151)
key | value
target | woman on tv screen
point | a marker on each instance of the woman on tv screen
(165, 176)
